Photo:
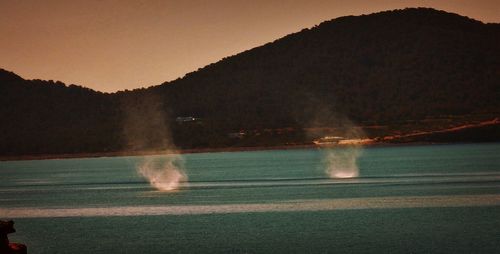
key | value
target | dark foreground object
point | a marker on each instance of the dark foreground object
(7, 227)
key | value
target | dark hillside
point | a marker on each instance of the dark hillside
(389, 66)
(388, 70)
(50, 117)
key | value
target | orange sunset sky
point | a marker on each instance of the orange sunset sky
(114, 45)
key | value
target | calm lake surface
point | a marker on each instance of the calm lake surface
(413, 199)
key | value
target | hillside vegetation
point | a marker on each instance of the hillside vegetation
(386, 69)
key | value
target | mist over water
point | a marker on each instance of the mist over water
(146, 128)
(341, 162)
(165, 173)
(336, 134)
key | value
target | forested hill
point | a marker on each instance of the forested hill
(386, 66)
(49, 117)
(373, 69)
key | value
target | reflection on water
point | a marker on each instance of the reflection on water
(401, 180)
(289, 206)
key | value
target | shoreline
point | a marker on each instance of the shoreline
(198, 150)
(148, 153)
(387, 141)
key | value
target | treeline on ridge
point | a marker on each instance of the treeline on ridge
(372, 70)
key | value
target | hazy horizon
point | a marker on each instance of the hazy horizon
(117, 45)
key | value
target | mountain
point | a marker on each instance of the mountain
(382, 69)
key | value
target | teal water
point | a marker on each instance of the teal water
(413, 199)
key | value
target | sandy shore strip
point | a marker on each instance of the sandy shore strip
(189, 151)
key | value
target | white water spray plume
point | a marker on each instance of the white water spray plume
(341, 162)
(146, 128)
(164, 173)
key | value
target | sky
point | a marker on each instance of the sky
(111, 45)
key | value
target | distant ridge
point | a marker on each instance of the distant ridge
(378, 69)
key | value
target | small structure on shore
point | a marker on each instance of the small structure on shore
(185, 119)
(335, 140)
(357, 141)
(328, 140)
(241, 134)
(7, 227)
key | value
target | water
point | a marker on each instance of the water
(414, 199)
